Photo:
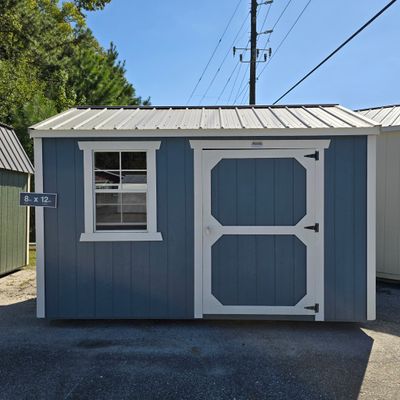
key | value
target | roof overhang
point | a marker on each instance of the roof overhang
(203, 133)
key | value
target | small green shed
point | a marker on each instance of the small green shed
(15, 174)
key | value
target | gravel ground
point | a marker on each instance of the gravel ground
(194, 359)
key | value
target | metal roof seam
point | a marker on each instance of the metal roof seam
(84, 122)
(333, 115)
(298, 118)
(70, 119)
(279, 119)
(108, 119)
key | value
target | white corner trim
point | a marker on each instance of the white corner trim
(371, 228)
(90, 234)
(39, 218)
(28, 221)
(260, 144)
(121, 237)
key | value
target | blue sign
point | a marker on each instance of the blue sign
(38, 199)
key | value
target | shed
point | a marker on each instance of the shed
(15, 173)
(207, 212)
(388, 190)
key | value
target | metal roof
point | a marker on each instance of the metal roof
(387, 116)
(12, 154)
(127, 118)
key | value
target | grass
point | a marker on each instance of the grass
(32, 259)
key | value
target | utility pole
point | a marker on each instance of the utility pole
(254, 51)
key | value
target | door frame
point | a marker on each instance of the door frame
(199, 146)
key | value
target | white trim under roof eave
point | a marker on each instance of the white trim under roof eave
(390, 129)
(203, 133)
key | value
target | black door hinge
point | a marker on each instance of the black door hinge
(314, 227)
(313, 155)
(314, 308)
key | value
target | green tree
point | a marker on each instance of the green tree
(50, 61)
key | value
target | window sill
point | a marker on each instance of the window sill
(121, 237)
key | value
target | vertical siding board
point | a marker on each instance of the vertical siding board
(344, 228)
(140, 279)
(284, 263)
(189, 210)
(360, 228)
(159, 250)
(176, 228)
(104, 279)
(86, 295)
(246, 192)
(264, 196)
(67, 228)
(51, 222)
(265, 254)
(283, 189)
(247, 270)
(121, 280)
(227, 170)
(51, 238)
(329, 234)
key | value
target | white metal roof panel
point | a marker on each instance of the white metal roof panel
(204, 118)
(387, 116)
(12, 154)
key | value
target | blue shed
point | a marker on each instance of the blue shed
(207, 212)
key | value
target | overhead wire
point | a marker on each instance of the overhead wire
(234, 83)
(224, 59)
(349, 39)
(214, 52)
(286, 36)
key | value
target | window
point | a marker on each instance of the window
(120, 191)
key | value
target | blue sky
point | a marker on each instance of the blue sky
(166, 45)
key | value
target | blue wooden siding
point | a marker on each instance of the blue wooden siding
(262, 270)
(155, 280)
(258, 192)
(118, 280)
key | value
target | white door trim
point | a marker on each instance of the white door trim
(199, 146)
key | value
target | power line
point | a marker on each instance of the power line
(224, 59)
(241, 87)
(286, 36)
(338, 48)
(227, 82)
(213, 53)
(234, 83)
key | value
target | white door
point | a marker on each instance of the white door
(262, 232)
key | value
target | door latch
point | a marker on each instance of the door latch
(315, 155)
(314, 227)
(314, 308)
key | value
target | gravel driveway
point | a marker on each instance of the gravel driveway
(194, 359)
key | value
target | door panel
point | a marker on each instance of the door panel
(258, 256)
(262, 270)
(258, 191)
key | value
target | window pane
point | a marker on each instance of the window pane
(106, 160)
(133, 160)
(107, 179)
(107, 214)
(134, 180)
(108, 198)
(134, 208)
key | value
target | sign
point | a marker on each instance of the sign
(38, 199)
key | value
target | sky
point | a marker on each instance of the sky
(167, 44)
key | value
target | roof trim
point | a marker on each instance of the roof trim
(204, 133)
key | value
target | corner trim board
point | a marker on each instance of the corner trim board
(39, 218)
(371, 228)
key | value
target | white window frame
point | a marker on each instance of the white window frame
(90, 234)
